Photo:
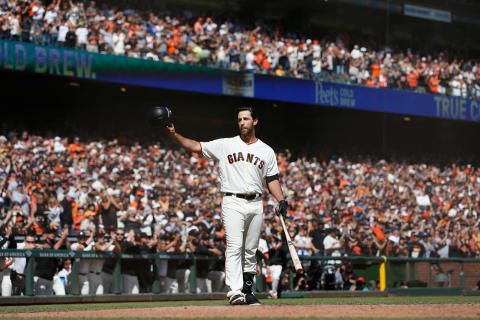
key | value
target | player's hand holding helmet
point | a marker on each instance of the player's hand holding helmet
(161, 116)
(282, 208)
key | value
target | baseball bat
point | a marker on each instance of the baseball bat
(293, 253)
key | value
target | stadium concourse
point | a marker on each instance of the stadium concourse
(135, 198)
(188, 38)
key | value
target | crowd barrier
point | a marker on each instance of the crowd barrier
(392, 273)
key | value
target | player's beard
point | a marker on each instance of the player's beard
(246, 131)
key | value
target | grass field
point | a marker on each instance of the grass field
(12, 311)
(255, 318)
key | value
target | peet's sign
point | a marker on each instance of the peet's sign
(54, 61)
(335, 97)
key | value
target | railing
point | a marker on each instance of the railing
(31, 255)
(431, 273)
(392, 272)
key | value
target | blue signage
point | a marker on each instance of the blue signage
(364, 98)
(27, 57)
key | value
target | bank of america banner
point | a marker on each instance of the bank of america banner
(26, 57)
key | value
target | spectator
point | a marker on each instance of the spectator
(53, 210)
(66, 216)
(108, 210)
(331, 244)
(17, 275)
(71, 38)
(331, 278)
(360, 284)
(416, 248)
(81, 35)
(64, 275)
(88, 223)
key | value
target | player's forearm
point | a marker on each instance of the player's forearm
(276, 190)
(186, 143)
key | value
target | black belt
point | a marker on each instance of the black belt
(82, 274)
(95, 272)
(246, 196)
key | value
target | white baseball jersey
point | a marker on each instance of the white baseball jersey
(20, 263)
(84, 264)
(243, 167)
(96, 265)
(263, 246)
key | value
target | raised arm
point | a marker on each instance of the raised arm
(186, 143)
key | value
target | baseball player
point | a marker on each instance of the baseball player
(84, 264)
(96, 265)
(246, 165)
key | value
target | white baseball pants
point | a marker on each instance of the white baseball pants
(96, 284)
(6, 284)
(58, 286)
(218, 280)
(83, 284)
(243, 221)
(107, 282)
(130, 284)
(275, 273)
(183, 276)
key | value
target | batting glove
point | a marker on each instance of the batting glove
(282, 208)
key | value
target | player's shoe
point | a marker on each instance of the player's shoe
(251, 300)
(237, 299)
(272, 294)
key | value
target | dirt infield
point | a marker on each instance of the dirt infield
(274, 311)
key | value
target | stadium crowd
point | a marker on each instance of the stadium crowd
(61, 193)
(187, 39)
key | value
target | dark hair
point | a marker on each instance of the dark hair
(251, 109)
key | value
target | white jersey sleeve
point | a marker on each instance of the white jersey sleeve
(74, 246)
(90, 246)
(213, 149)
(272, 166)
